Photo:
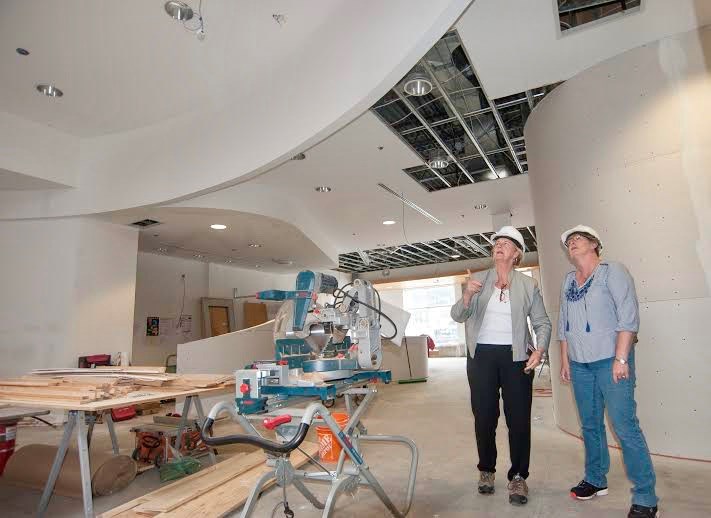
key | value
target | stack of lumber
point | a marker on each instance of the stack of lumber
(212, 492)
(87, 385)
(63, 390)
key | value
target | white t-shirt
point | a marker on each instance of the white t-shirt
(496, 327)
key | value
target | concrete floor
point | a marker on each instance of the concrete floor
(436, 416)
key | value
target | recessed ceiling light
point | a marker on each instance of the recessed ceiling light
(455, 256)
(49, 90)
(161, 249)
(322, 188)
(22, 52)
(388, 222)
(199, 256)
(218, 226)
(418, 84)
(438, 162)
(255, 245)
(179, 10)
(480, 206)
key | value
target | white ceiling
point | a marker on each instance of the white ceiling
(186, 233)
(351, 215)
(156, 115)
(516, 45)
(200, 127)
(12, 181)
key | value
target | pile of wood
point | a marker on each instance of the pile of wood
(214, 491)
(62, 390)
(100, 383)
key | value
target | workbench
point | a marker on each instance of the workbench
(83, 416)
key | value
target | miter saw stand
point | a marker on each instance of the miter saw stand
(346, 478)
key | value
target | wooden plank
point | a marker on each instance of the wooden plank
(25, 382)
(229, 496)
(122, 510)
(185, 490)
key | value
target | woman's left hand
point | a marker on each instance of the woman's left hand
(533, 361)
(619, 371)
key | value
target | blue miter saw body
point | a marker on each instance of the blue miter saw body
(320, 350)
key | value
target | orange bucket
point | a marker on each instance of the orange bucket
(329, 448)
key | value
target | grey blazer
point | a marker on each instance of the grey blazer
(526, 301)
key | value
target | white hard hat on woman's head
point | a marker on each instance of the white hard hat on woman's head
(512, 234)
(581, 229)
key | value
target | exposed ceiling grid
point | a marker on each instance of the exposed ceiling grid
(448, 249)
(476, 137)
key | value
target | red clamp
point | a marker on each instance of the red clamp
(272, 423)
(244, 388)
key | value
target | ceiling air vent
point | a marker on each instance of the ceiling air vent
(145, 223)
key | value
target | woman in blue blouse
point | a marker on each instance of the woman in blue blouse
(597, 329)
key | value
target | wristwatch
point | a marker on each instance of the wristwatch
(621, 360)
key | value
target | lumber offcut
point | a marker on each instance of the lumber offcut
(212, 492)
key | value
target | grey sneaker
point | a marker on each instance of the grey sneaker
(518, 491)
(486, 483)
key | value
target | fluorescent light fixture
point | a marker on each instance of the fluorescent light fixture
(417, 85)
(410, 204)
(388, 222)
(455, 256)
(161, 250)
(364, 257)
(199, 256)
(255, 245)
(218, 226)
(49, 90)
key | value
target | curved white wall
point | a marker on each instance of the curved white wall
(312, 86)
(626, 148)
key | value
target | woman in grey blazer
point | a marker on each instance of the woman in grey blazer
(495, 307)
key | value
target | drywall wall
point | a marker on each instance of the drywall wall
(159, 293)
(67, 290)
(625, 147)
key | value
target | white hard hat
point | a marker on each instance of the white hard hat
(581, 229)
(513, 234)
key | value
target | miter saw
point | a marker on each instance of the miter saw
(323, 350)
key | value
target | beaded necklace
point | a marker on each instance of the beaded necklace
(574, 294)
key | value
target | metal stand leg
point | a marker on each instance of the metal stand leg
(336, 488)
(183, 422)
(112, 432)
(201, 418)
(90, 432)
(84, 465)
(298, 484)
(57, 464)
(254, 495)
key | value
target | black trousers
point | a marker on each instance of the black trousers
(493, 369)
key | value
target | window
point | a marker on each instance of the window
(429, 309)
(573, 13)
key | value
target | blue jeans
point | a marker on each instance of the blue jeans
(594, 391)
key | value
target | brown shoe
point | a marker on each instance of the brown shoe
(518, 491)
(486, 483)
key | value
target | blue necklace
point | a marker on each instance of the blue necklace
(574, 294)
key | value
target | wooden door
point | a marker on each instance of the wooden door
(255, 313)
(219, 320)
